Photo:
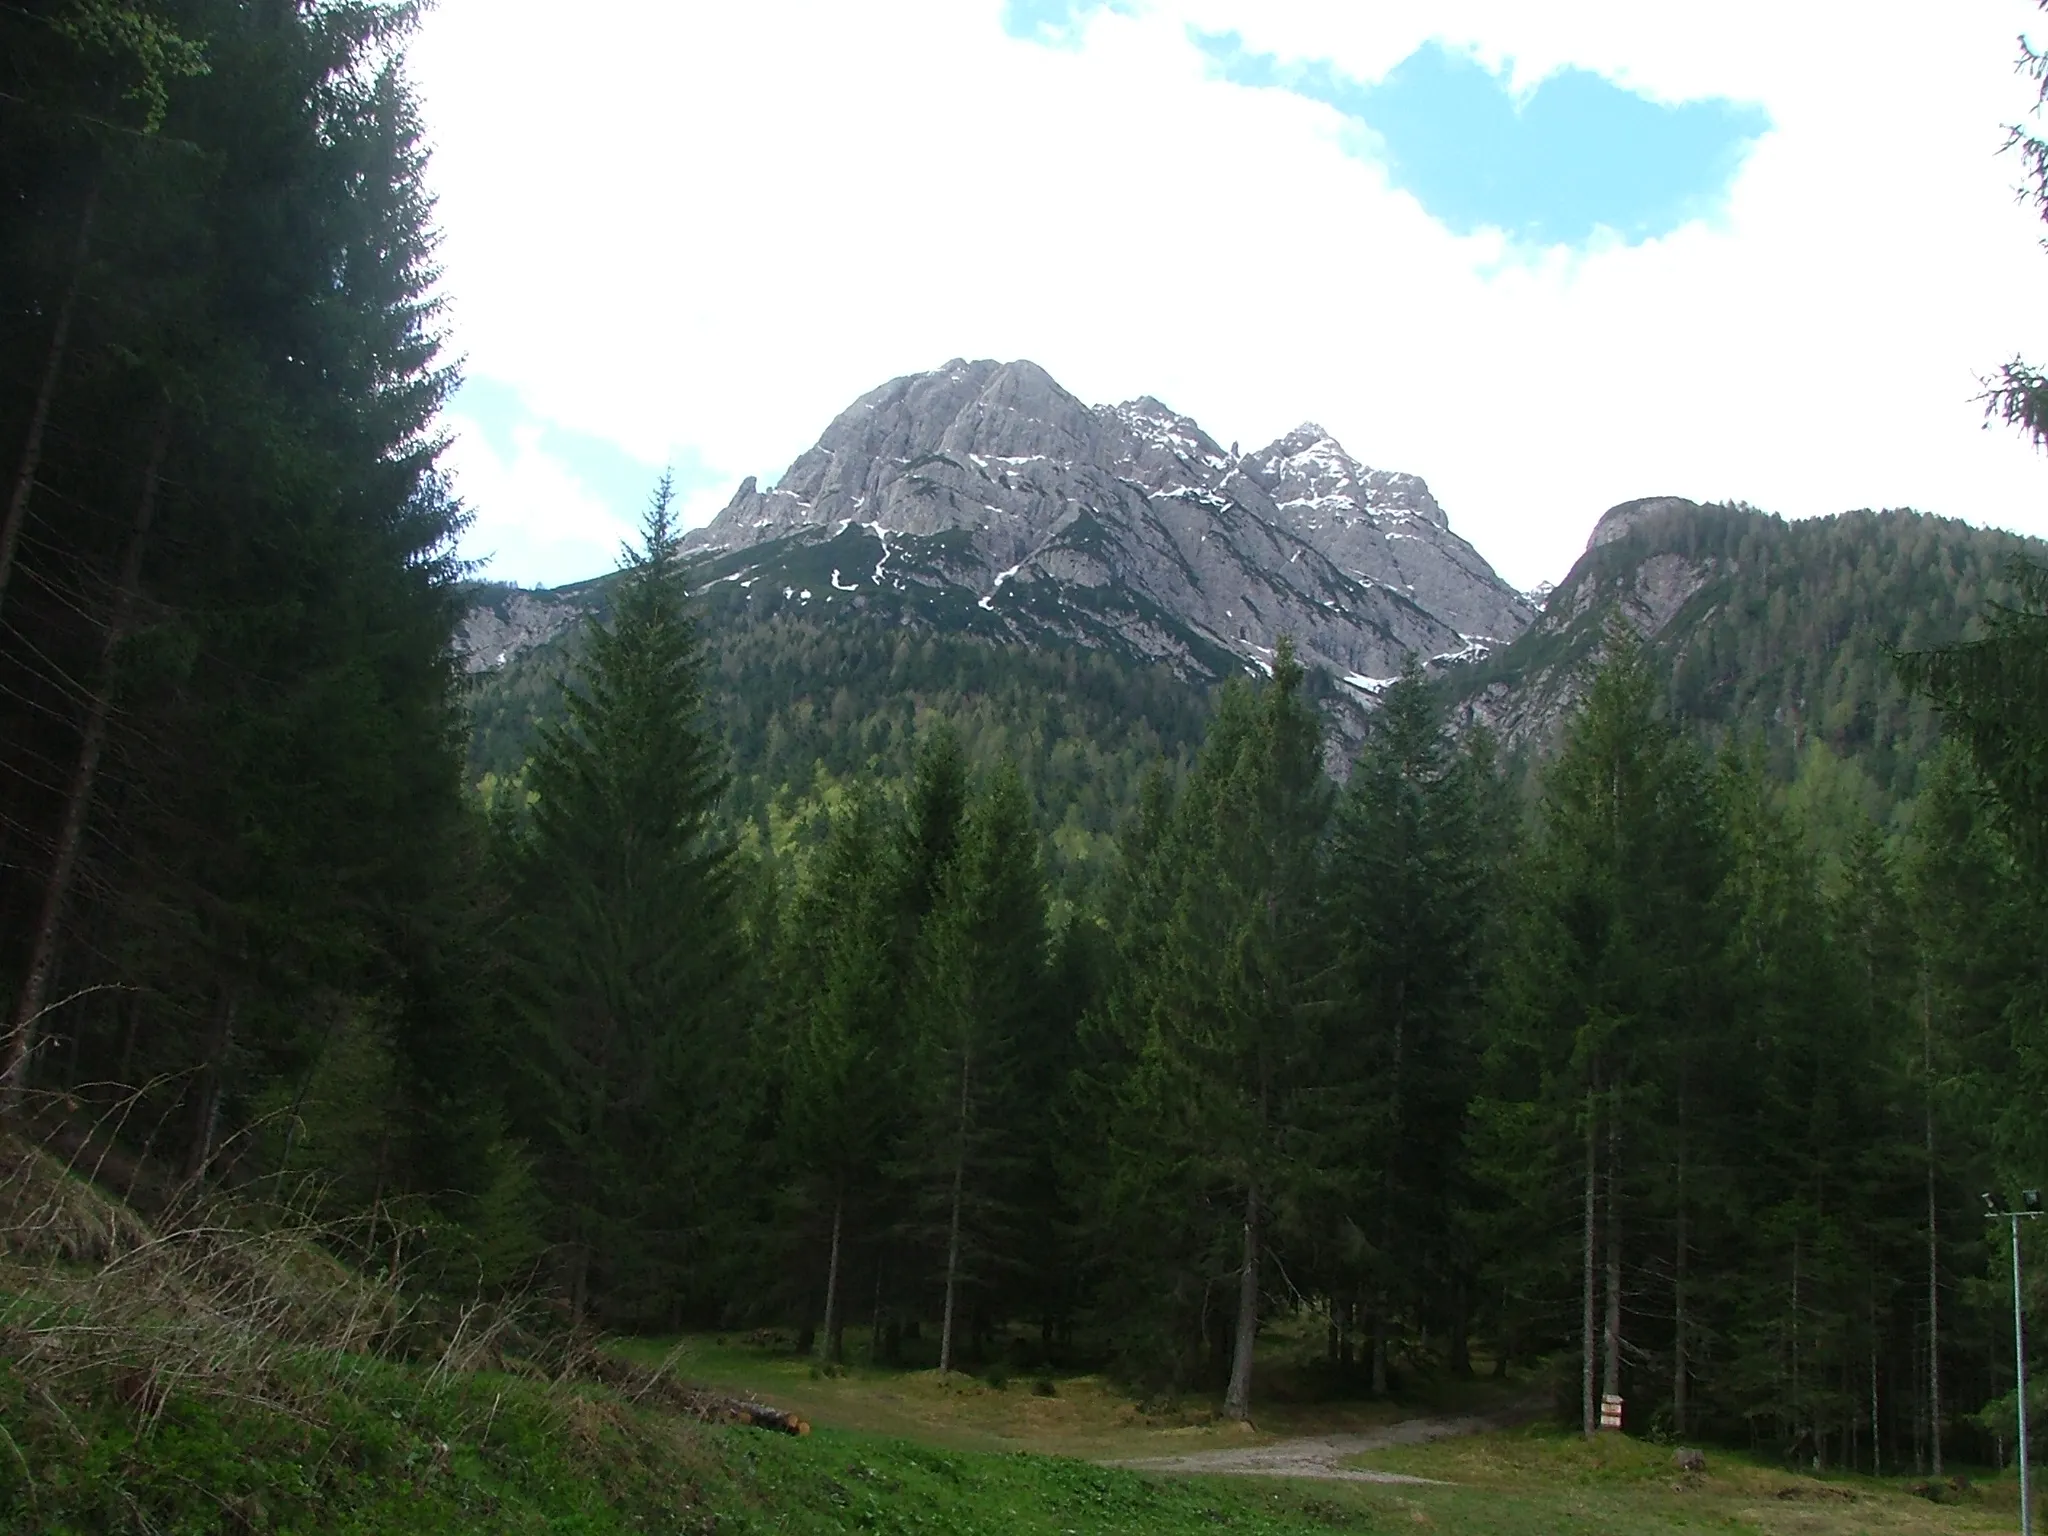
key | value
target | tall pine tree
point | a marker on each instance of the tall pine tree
(1223, 1010)
(627, 932)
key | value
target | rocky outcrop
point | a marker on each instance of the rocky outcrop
(1130, 523)
(503, 621)
(1619, 522)
(1647, 586)
(1386, 527)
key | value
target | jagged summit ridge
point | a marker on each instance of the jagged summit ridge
(1131, 523)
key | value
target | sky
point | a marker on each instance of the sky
(1550, 258)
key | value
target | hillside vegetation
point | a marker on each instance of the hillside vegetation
(1768, 630)
(1765, 629)
(802, 703)
(208, 1372)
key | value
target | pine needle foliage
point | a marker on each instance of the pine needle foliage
(628, 928)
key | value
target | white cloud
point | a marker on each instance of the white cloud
(708, 228)
(535, 522)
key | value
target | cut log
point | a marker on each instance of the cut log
(648, 1384)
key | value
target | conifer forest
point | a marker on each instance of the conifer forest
(1623, 1063)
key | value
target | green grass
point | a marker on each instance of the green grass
(373, 1447)
(1086, 1415)
(376, 1449)
(1546, 1479)
(379, 1451)
(342, 1443)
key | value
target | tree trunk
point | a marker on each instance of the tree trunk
(1610, 1376)
(832, 1324)
(1379, 1345)
(1933, 1231)
(20, 1042)
(206, 1109)
(1919, 1401)
(46, 392)
(1681, 1366)
(1389, 1181)
(1459, 1347)
(1237, 1401)
(1589, 1415)
(875, 1351)
(579, 1282)
(1798, 1412)
(130, 1028)
(953, 1221)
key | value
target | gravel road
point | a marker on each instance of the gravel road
(1321, 1456)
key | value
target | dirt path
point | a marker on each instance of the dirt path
(1321, 1456)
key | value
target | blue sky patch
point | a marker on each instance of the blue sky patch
(1056, 23)
(1576, 154)
(618, 479)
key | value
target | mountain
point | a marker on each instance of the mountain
(1064, 581)
(1067, 581)
(982, 497)
(1776, 630)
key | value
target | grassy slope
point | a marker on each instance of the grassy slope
(374, 1447)
(378, 1449)
(1515, 1483)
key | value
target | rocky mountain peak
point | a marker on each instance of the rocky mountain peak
(1309, 469)
(1020, 411)
(1159, 448)
(1619, 521)
(1308, 461)
(1125, 524)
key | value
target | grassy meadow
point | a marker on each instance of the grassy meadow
(227, 1374)
(354, 1444)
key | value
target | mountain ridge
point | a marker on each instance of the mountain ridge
(991, 476)
(982, 504)
(1765, 627)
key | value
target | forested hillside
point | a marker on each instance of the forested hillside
(1774, 629)
(1761, 629)
(803, 702)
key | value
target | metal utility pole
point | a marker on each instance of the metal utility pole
(2030, 1202)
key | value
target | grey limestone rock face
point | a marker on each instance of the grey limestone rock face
(1618, 522)
(506, 621)
(1137, 515)
(1648, 590)
(1386, 527)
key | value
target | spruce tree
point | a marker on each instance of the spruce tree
(1612, 964)
(627, 933)
(842, 1083)
(979, 1000)
(1222, 1014)
(1408, 886)
(229, 733)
